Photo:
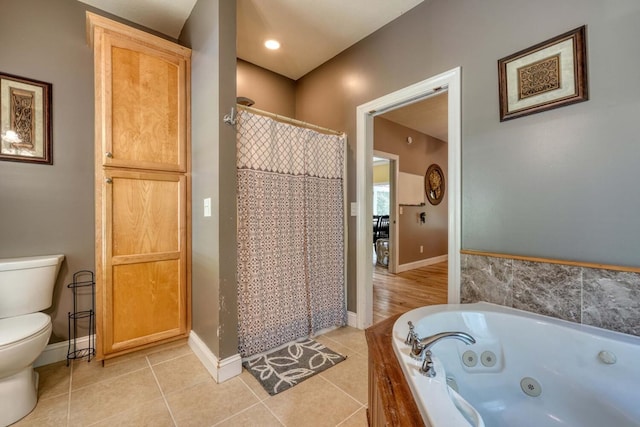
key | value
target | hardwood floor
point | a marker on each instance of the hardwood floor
(399, 293)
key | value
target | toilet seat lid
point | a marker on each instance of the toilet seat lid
(13, 329)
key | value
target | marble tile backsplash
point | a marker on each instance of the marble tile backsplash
(604, 298)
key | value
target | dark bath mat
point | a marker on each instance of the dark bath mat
(282, 369)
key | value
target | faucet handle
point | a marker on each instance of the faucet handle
(416, 350)
(427, 368)
(411, 336)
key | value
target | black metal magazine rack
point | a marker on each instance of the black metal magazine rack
(83, 288)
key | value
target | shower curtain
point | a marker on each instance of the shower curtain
(290, 232)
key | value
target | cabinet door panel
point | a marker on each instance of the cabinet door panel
(150, 221)
(146, 301)
(144, 115)
(145, 280)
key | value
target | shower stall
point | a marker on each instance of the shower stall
(291, 230)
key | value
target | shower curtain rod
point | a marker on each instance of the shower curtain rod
(290, 120)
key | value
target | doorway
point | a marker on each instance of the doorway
(389, 209)
(449, 82)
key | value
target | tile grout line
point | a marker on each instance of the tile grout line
(129, 372)
(271, 412)
(72, 368)
(341, 344)
(168, 360)
(351, 416)
(164, 399)
(348, 348)
(339, 388)
(329, 338)
(261, 401)
(237, 413)
(110, 378)
(250, 389)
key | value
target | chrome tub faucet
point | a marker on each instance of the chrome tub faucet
(422, 347)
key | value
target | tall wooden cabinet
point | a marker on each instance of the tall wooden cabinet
(142, 176)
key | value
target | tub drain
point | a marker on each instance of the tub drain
(530, 387)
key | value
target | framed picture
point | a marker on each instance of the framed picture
(548, 75)
(25, 120)
(434, 184)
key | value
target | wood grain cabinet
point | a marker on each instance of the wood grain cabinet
(390, 400)
(142, 187)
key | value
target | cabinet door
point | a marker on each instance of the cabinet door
(142, 102)
(144, 297)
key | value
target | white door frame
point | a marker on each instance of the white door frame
(394, 166)
(364, 153)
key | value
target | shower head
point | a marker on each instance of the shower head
(245, 101)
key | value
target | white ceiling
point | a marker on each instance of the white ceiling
(164, 16)
(310, 31)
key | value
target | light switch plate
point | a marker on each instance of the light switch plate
(207, 206)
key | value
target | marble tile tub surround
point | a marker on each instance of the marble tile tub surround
(598, 297)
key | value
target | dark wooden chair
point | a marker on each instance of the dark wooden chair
(376, 228)
(383, 227)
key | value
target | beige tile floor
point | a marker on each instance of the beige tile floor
(168, 386)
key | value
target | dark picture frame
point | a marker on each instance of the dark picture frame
(25, 120)
(434, 184)
(548, 75)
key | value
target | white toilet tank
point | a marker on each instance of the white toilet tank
(26, 284)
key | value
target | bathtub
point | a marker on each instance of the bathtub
(525, 370)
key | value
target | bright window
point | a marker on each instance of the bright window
(381, 199)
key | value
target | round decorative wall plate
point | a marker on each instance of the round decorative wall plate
(434, 184)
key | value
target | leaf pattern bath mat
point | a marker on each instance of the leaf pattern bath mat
(282, 369)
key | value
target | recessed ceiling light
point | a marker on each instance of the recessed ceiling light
(272, 44)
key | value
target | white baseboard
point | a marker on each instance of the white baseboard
(352, 319)
(57, 352)
(422, 263)
(220, 370)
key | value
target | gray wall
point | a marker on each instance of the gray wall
(558, 184)
(210, 31)
(270, 91)
(49, 209)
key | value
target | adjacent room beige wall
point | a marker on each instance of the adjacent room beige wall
(381, 174)
(415, 158)
(270, 91)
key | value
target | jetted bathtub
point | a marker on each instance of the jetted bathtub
(525, 370)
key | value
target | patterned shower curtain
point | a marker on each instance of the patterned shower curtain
(290, 232)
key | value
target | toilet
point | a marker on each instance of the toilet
(26, 287)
